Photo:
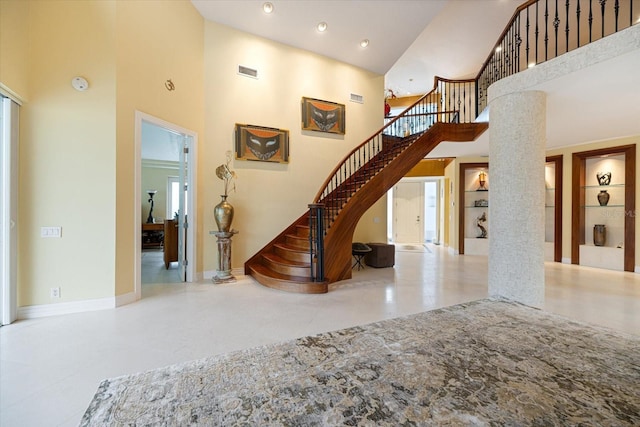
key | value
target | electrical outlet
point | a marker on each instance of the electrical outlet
(55, 292)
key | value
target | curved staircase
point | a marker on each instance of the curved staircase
(288, 262)
(306, 258)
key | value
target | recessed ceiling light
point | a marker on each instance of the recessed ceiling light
(267, 7)
(498, 49)
(322, 27)
(364, 43)
(531, 65)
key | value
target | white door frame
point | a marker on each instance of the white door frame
(191, 202)
(9, 210)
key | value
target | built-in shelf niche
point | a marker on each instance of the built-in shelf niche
(618, 215)
(553, 208)
(473, 202)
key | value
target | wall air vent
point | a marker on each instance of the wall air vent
(357, 98)
(247, 72)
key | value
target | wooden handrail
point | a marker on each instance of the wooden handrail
(404, 113)
(503, 34)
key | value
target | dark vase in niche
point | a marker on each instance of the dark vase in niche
(603, 197)
(604, 178)
(599, 234)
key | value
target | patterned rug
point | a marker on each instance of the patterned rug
(488, 362)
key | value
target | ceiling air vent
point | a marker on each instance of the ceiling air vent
(248, 72)
(357, 98)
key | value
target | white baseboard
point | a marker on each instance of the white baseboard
(45, 310)
(126, 299)
(637, 269)
(566, 260)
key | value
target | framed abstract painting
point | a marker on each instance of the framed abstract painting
(323, 116)
(262, 143)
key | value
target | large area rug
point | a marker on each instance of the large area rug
(488, 362)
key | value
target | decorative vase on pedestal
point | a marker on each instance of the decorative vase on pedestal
(223, 214)
(603, 197)
(599, 234)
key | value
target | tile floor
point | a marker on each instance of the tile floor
(50, 367)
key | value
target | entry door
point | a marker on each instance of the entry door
(408, 211)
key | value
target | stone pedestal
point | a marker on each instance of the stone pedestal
(223, 275)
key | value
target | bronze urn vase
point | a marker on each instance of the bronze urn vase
(223, 214)
(599, 234)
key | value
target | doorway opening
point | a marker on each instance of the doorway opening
(414, 211)
(165, 195)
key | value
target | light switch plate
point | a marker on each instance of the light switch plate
(50, 231)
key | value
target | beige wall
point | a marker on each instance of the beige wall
(156, 41)
(67, 152)
(77, 151)
(77, 167)
(270, 196)
(14, 46)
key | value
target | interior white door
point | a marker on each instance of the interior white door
(182, 200)
(8, 210)
(408, 211)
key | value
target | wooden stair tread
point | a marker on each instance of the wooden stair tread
(278, 259)
(284, 282)
(287, 247)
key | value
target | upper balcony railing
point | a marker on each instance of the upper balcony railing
(545, 29)
(538, 31)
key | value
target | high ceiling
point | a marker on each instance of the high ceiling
(410, 41)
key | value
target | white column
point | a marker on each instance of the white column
(517, 133)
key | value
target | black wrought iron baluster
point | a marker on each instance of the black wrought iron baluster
(590, 20)
(464, 105)
(578, 10)
(477, 102)
(602, 6)
(511, 44)
(537, 33)
(546, 30)
(516, 44)
(556, 24)
(316, 241)
(566, 26)
(527, 43)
